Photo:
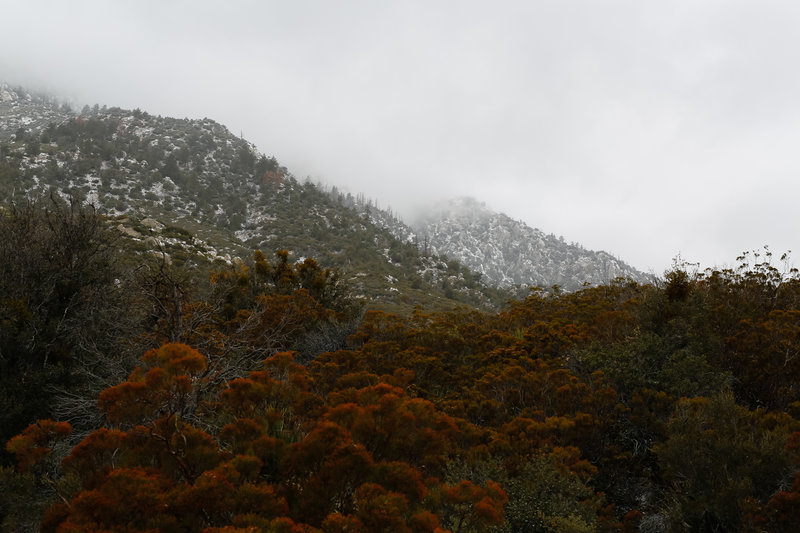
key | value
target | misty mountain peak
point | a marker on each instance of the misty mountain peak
(463, 207)
(509, 253)
(196, 173)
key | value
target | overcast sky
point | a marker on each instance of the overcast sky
(644, 128)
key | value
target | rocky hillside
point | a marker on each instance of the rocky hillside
(27, 110)
(219, 195)
(225, 199)
(509, 253)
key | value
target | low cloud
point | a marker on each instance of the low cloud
(643, 129)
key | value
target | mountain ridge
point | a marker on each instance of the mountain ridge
(510, 254)
(196, 174)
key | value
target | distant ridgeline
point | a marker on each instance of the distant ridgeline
(508, 253)
(194, 174)
(21, 110)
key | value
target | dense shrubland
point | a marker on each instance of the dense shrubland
(260, 396)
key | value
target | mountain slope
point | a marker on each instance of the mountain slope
(509, 253)
(197, 177)
(28, 110)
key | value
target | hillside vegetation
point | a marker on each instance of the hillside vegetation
(195, 175)
(224, 197)
(260, 398)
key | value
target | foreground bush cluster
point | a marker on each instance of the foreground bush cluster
(261, 398)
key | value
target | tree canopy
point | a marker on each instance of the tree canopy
(273, 403)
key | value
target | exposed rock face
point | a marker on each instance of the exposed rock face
(153, 225)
